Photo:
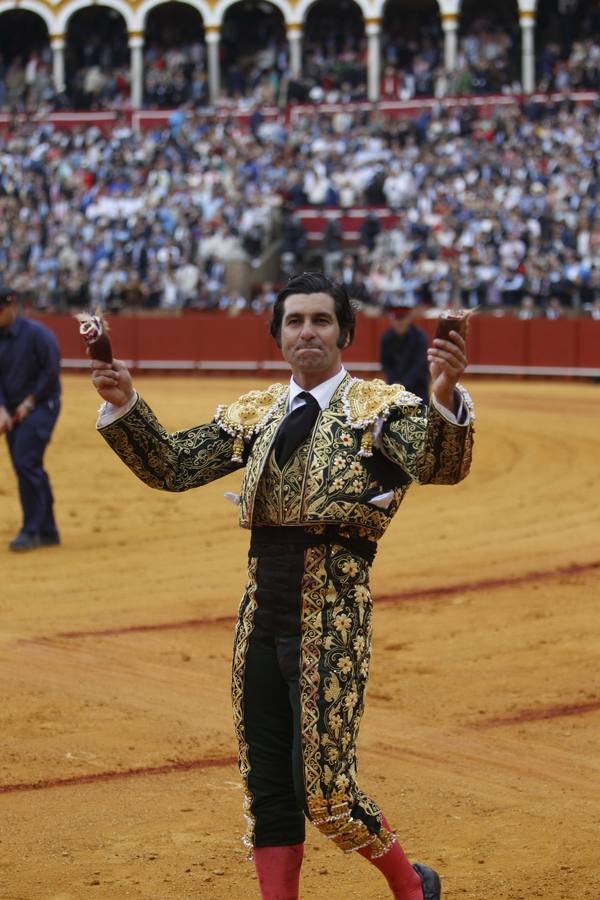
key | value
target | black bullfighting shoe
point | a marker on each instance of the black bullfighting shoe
(49, 538)
(25, 540)
(430, 882)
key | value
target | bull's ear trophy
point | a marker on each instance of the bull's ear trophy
(94, 332)
(457, 320)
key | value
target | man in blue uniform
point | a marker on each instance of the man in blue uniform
(29, 408)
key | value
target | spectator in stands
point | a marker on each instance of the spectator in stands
(293, 241)
(594, 309)
(390, 84)
(333, 242)
(346, 274)
(15, 84)
(528, 308)
(374, 192)
(187, 278)
(369, 231)
(510, 283)
(399, 185)
(152, 289)
(554, 309)
(133, 293)
(359, 292)
(590, 291)
(318, 187)
(264, 299)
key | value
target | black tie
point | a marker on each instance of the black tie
(295, 428)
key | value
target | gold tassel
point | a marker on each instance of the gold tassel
(366, 443)
(238, 449)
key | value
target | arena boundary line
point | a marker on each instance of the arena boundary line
(159, 626)
(526, 715)
(489, 584)
(389, 599)
(538, 715)
(115, 774)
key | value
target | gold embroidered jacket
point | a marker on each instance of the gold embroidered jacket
(338, 477)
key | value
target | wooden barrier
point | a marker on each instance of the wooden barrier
(502, 345)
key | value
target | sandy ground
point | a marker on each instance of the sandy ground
(481, 738)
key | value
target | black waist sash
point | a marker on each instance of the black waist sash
(277, 540)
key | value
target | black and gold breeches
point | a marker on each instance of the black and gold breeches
(300, 668)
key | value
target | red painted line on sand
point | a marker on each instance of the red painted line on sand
(538, 715)
(489, 584)
(159, 626)
(400, 596)
(447, 590)
(92, 778)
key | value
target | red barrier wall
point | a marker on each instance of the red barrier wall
(215, 341)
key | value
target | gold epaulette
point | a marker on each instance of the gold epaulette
(367, 401)
(248, 415)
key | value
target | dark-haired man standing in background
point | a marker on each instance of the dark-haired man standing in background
(403, 352)
(328, 461)
(29, 408)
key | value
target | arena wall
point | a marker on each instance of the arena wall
(498, 345)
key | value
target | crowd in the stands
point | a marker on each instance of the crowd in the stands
(499, 212)
(333, 64)
(486, 211)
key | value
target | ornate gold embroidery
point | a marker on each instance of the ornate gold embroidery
(328, 481)
(366, 443)
(334, 819)
(240, 647)
(332, 487)
(432, 450)
(279, 494)
(382, 843)
(366, 401)
(248, 415)
(257, 460)
(336, 638)
(169, 462)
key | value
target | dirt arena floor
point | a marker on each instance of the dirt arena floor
(481, 738)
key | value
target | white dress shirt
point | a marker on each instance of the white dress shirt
(324, 392)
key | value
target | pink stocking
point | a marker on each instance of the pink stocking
(278, 870)
(404, 882)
